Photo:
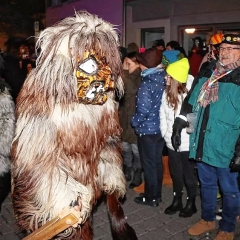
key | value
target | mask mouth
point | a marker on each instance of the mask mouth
(94, 93)
(95, 88)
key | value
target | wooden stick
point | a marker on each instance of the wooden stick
(53, 227)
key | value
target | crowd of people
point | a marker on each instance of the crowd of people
(191, 109)
(19, 59)
(162, 90)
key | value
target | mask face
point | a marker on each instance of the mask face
(93, 78)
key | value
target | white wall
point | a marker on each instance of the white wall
(173, 14)
(133, 29)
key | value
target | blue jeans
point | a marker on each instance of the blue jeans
(209, 178)
(131, 156)
(150, 149)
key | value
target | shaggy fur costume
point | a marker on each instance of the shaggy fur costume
(65, 149)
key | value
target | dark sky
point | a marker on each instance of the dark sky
(19, 16)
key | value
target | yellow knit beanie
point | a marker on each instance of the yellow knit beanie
(179, 70)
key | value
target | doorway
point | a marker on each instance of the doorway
(149, 35)
(204, 32)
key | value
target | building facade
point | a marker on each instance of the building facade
(143, 21)
(109, 10)
(170, 18)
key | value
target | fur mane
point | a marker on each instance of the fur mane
(54, 77)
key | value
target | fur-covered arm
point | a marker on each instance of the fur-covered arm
(110, 174)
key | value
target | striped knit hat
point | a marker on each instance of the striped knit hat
(216, 39)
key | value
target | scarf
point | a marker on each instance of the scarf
(209, 90)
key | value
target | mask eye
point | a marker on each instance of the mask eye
(89, 66)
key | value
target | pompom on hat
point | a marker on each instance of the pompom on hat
(171, 56)
(179, 70)
(150, 58)
(233, 39)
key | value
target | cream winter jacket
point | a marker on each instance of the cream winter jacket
(167, 117)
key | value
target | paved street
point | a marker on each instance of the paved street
(149, 223)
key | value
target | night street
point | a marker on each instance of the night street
(149, 223)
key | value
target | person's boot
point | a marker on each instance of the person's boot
(127, 172)
(140, 188)
(137, 178)
(5, 187)
(141, 199)
(201, 227)
(224, 235)
(176, 204)
(189, 209)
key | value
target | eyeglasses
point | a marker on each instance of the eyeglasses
(228, 49)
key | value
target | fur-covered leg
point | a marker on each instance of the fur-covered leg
(86, 231)
(120, 228)
(110, 174)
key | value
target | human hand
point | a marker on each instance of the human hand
(176, 139)
(178, 125)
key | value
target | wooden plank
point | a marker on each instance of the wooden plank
(52, 228)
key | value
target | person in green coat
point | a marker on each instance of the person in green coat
(215, 141)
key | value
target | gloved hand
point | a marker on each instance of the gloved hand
(178, 125)
(235, 164)
(176, 138)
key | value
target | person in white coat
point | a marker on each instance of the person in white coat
(182, 171)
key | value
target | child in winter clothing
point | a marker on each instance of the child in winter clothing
(146, 124)
(181, 168)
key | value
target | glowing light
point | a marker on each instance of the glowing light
(190, 30)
